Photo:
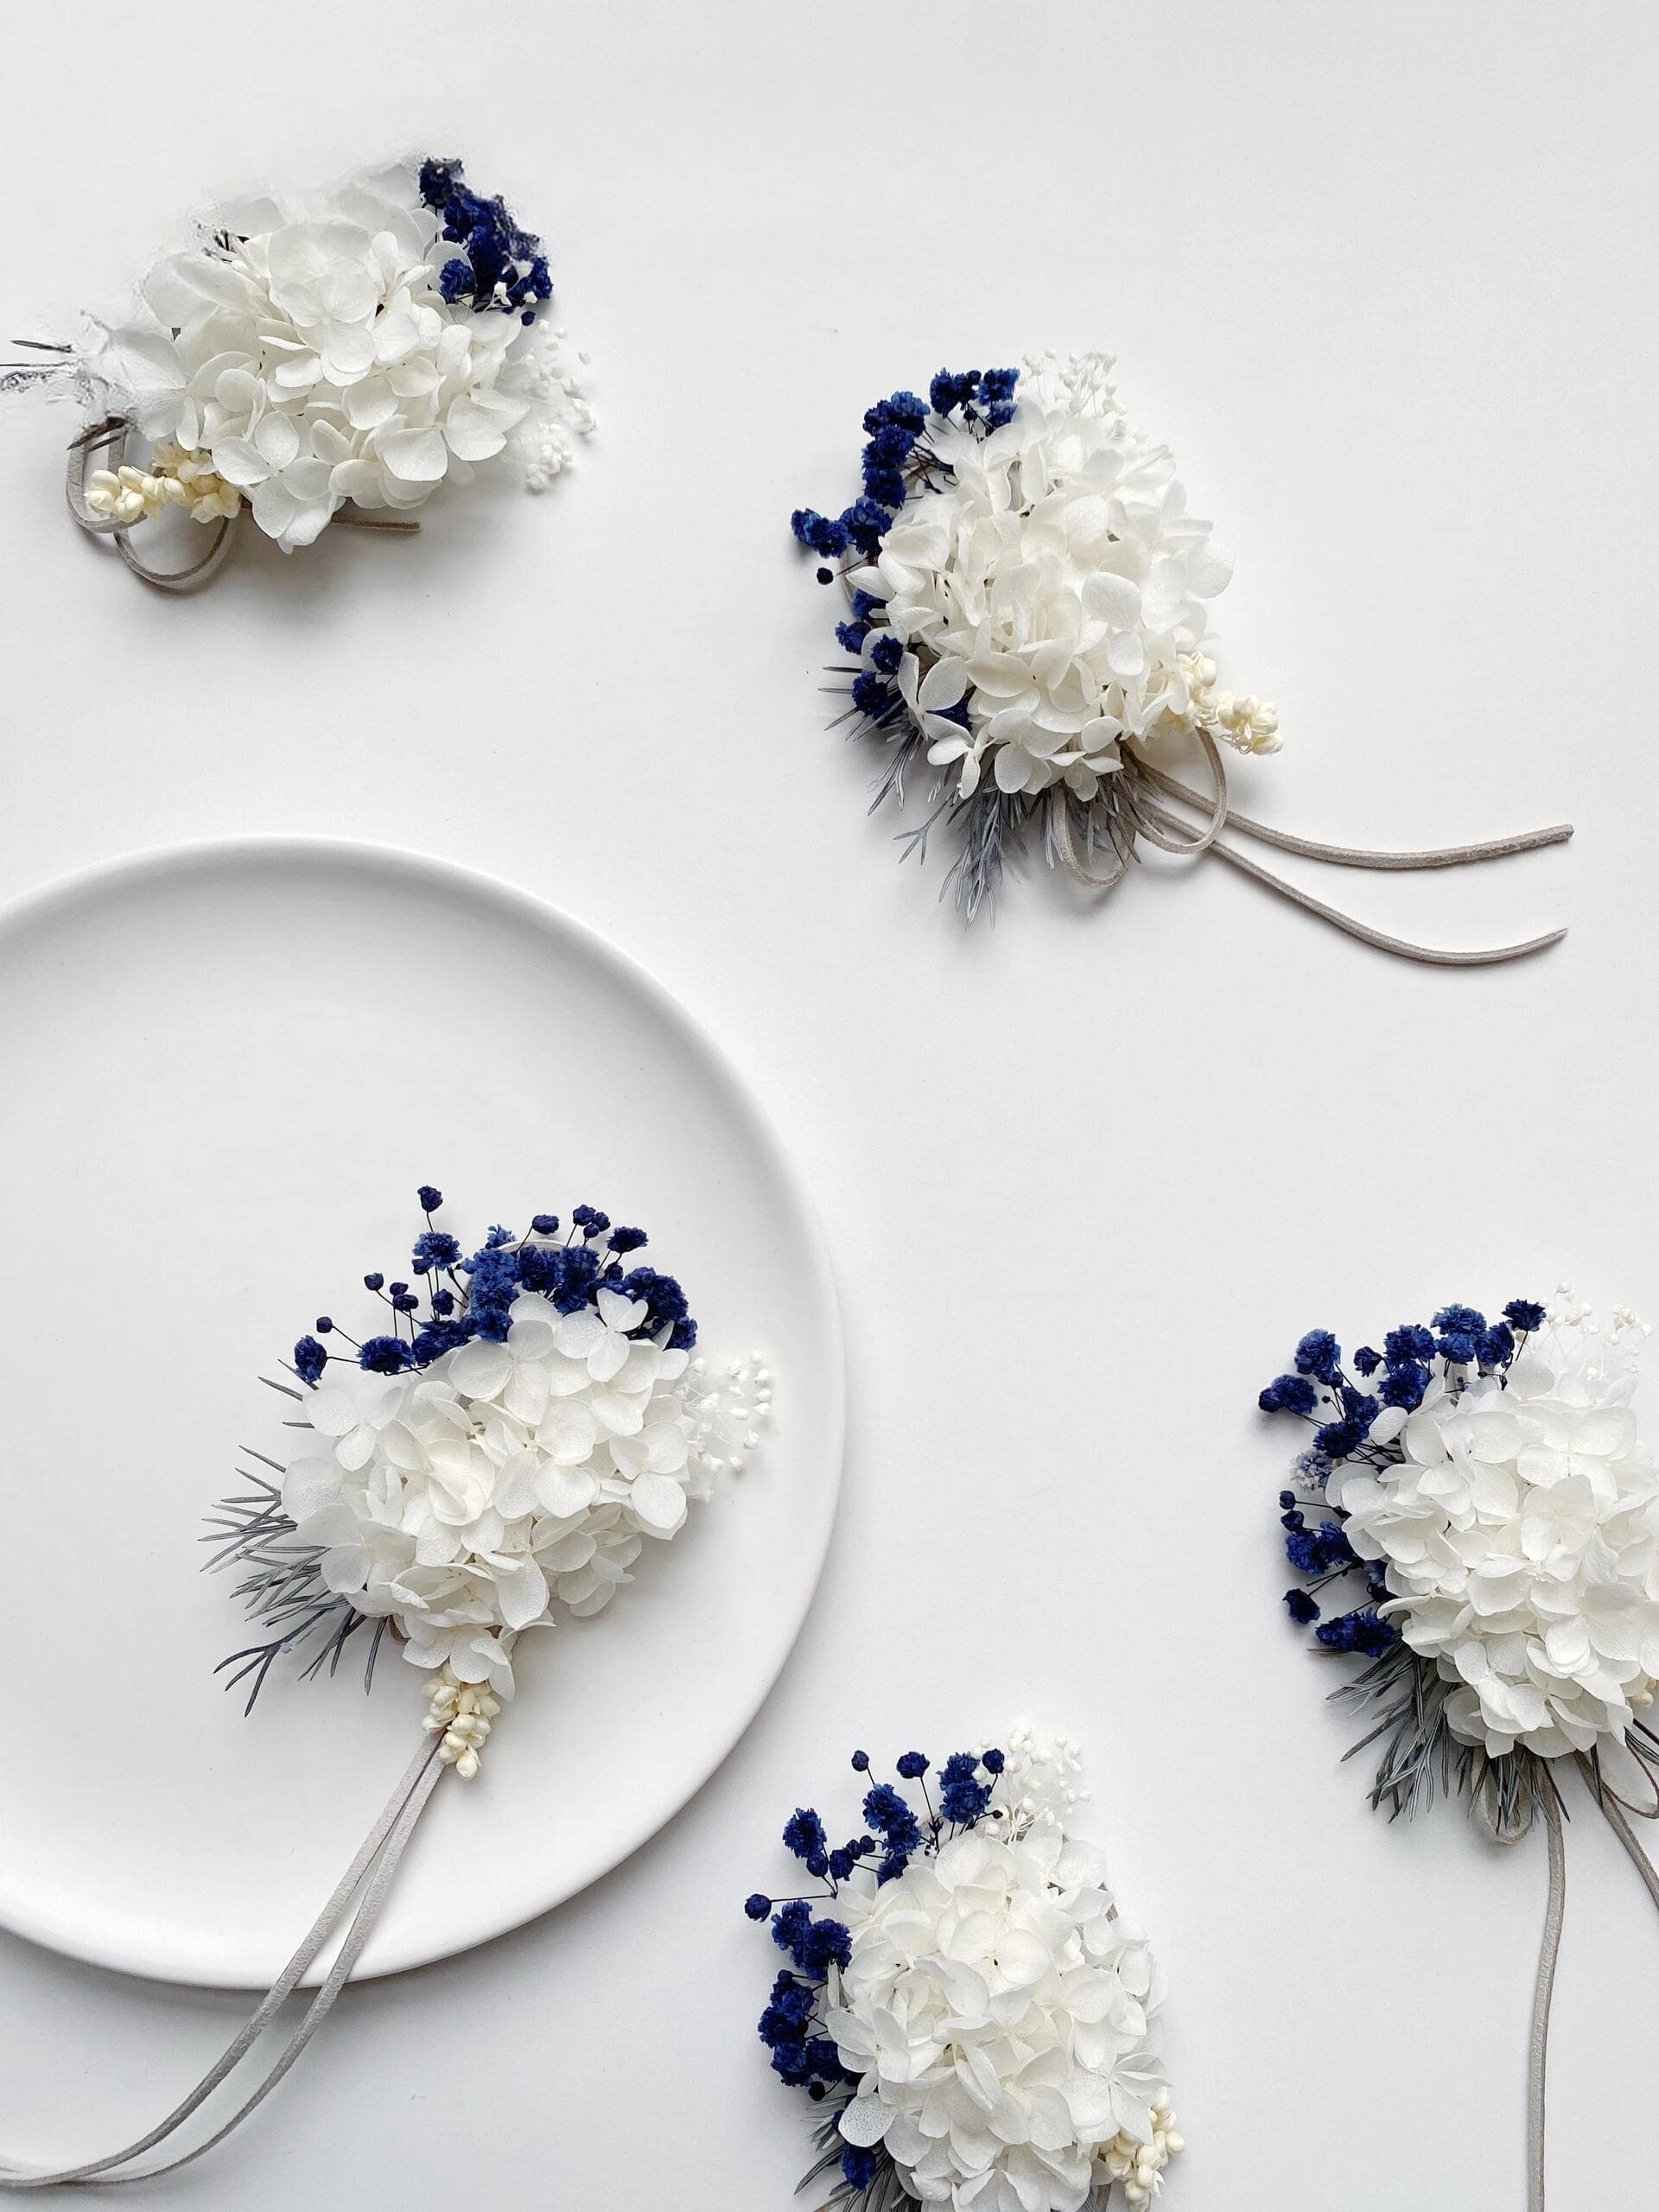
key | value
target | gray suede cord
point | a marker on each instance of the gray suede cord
(1615, 1809)
(1135, 809)
(378, 1860)
(1538, 2039)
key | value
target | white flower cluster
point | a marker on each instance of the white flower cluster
(1520, 1536)
(472, 1500)
(1054, 588)
(999, 2012)
(308, 355)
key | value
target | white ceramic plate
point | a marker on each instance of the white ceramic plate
(224, 1070)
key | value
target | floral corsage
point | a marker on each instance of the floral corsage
(1478, 1520)
(339, 354)
(1028, 602)
(491, 1457)
(963, 1999)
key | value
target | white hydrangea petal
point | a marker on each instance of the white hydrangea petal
(658, 1502)
(480, 1369)
(417, 456)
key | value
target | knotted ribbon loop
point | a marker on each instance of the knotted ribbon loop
(1134, 796)
(376, 1863)
(110, 437)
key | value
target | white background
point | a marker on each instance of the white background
(1382, 277)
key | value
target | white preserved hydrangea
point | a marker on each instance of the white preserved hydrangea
(507, 1481)
(1053, 591)
(998, 2010)
(310, 357)
(1519, 1535)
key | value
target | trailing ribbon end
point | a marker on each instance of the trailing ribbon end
(1152, 818)
(375, 1866)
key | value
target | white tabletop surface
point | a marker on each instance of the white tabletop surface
(1384, 277)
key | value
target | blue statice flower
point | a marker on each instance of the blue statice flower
(1288, 1394)
(912, 1766)
(1521, 1313)
(665, 1308)
(1323, 1550)
(1404, 1385)
(850, 636)
(1410, 1342)
(429, 1198)
(891, 1814)
(873, 693)
(384, 1354)
(1300, 1607)
(1363, 1631)
(1339, 1438)
(1495, 1347)
(886, 653)
(435, 1250)
(1319, 1355)
(963, 1798)
(818, 533)
(501, 265)
(309, 1360)
(804, 1833)
(859, 2167)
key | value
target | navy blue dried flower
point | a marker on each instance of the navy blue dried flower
(1403, 1386)
(1497, 1345)
(1339, 1438)
(1288, 1394)
(1521, 1313)
(1300, 1607)
(1411, 1341)
(434, 1250)
(384, 1356)
(309, 1360)
(859, 2167)
(429, 1198)
(1319, 1355)
(962, 1796)
(866, 523)
(804, 1833)
(1361, 1631)
(819, 533)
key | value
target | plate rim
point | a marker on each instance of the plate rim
(389, 861)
